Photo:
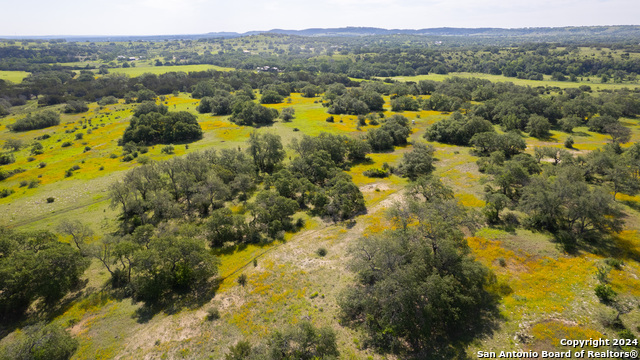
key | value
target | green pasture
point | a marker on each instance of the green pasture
(13, 76)
(594, 82)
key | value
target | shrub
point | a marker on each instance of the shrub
(127, 158)
(569, 143)
(376, 173)
(605, 293)
(169, 149)
(213, 314)
(38, 341)
(33, 184)
(40, 120)
(321, 252)
(108, 100)
(75, 106)
(330, 119)
(6, 192)
(79, 136)
(24, 183)
(50, 200)
(68, 173)
(6, 159)
(615, 263)
(66, 144)
(242, 280)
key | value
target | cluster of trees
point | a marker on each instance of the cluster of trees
(154, 261)
(354, 102)
(393, 132)
(570, 197)
(198, 185)
(36, 266)
(418, 290)
(518, 109)
(40, 120)
(154, 124)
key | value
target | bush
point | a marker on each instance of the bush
(87, 148)
(108, 100)
(42, 165)
(213, 314)
(330, 119)
(376, 173)
(169, 149)
(569, 143)
(6, 192)
(242, 280)
(50, 200)
(79, 136)
(75, 106)
(40, 120)
(605, 293)
(38, 341)
(33, 184)
(321, 252)
(6, 159)
(66, 144)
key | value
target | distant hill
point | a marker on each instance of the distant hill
(550, 33)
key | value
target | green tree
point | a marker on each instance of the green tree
(418, 162)
(266, 150)
(418, 289)
(40, 342)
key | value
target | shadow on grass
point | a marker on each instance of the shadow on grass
(173, 302)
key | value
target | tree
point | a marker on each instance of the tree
(35, 265)
(418, 162)
(538, 126)
(272, 212)
(171, 263)
(271, 97)
(418, 289)
(566, 204)
(40, 342)
(78, 231)
(266, 150)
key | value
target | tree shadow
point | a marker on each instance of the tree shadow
(173, 302)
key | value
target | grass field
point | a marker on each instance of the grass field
(545, 293)
(13, 76)
(594, 82)
(139, 70)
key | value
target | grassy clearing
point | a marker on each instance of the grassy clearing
(13, 76)
(593, 82)
(142, 68)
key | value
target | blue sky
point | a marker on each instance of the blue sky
(160, 17)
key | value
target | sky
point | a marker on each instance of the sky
(166, 17)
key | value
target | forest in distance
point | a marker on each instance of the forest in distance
(318, 196)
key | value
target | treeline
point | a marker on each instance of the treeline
(518, 108)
